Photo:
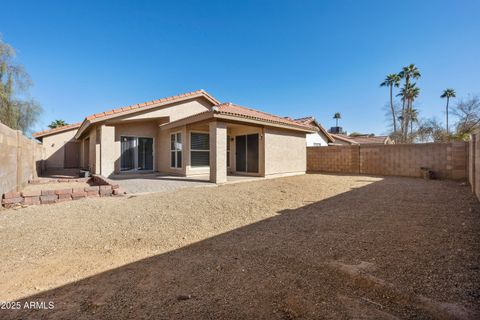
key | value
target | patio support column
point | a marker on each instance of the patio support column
(107, 150)
(218, 152)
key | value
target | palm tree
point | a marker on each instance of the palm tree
(337, 116)
(448, 93)
(409, 72)
(413, 114)
(409, 94)
(412, 92)
(57, 123)
(392, 80)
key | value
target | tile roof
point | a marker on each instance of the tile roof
(143, 105)
(236, 110)
(367, 139)
(362, 139)
(56, 130)
(343, 137)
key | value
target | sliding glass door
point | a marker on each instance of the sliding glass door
(136, 154)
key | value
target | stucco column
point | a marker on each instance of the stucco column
(107, 150)
(218, 152)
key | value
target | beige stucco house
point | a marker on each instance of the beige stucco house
(189, 134)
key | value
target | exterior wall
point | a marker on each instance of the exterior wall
(54, 146)
(446, 160)
(20, 158)
(285, 151)
(316, 139)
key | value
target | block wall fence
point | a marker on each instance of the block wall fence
(20, 159)
(446, 160)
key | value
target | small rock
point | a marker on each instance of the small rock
(184, 297)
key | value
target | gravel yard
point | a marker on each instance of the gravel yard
(312, 246)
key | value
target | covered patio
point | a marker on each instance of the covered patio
(227, 144)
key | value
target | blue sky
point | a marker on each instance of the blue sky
(291, 58)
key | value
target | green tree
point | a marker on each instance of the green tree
(392, 80)
(16, 111)
(337, 116)
(57, 123)
(447, 93)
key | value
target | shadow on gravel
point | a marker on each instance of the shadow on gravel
(386, 250)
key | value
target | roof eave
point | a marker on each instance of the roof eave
(223, 116)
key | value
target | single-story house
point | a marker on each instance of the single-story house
(188, 134)
(341, 139)
(320, 138)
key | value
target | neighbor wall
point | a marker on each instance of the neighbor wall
(474, 163)
(446, 160)
(20, 158)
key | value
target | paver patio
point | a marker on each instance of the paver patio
(313, 246)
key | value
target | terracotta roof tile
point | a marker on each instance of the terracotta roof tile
(55, 130)
(233, 109)
(148, 103)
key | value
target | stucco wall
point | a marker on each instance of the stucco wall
(54, 146)
(285, 151)
(20, 159)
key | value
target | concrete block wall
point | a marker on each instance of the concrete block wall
(20, 159)
(473, 163)
(446, 160)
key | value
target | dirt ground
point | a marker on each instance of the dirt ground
(55, 186)
(313, 246)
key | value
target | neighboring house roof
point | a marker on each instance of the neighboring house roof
(363, 139)
(47, 132)
(312, 122)
(142, 107)
(233, 112)
(343, 138)
(370, 140)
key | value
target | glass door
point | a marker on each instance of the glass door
(127, 159)
(136, 154)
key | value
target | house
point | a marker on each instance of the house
(320, 138)
(188, 134)
(341, 139)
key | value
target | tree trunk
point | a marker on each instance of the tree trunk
(393, 109)
(447, 113)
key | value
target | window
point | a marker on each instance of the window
(199, 149)
(176, 150)
(228, 151)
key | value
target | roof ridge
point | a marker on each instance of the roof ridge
(147, 103)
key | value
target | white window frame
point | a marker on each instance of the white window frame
(176, 150)
(196, 150)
